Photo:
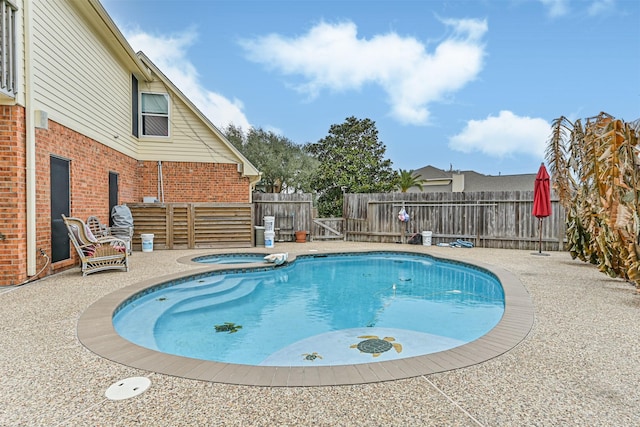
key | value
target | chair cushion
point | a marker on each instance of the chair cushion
(89, 250)
(89, 234)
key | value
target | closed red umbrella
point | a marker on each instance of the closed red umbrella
(541, 199)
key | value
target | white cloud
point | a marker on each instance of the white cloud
(169, 53)
(600, 7)
(556, 8)
(503, 136)
(332, 57)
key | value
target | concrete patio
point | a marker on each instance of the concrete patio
(579, 365)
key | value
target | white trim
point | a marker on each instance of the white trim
(30, 136)
(8, 56)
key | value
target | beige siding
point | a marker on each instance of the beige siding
(77, 79)
(191, 140)
(82, 80)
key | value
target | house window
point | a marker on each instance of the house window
(8, 48)
(154, 110)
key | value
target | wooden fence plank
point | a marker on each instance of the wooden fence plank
(193, 225)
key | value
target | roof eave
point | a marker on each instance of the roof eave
(95, 14)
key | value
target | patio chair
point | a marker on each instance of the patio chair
(102, 230)
(97, 228)
(96, 253)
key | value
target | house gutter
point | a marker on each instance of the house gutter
(30, 143)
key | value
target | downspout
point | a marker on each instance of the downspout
(160, 183)
(30, 142)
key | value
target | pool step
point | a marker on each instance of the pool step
(235, 289)
(229, 290)
(207, 286)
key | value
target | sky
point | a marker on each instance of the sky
(462, 85)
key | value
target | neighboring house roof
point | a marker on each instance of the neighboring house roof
(474, 181)
(434, 180)
(438, 180)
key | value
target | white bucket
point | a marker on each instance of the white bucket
(269, 222)
(426, 238)
(147, 242)
(269, 238)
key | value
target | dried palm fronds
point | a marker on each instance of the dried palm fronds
(595, 171)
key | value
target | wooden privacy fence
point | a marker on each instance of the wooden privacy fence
(193, 225)
(292, 212)
(488, 219)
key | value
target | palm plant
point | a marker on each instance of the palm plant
(408, 179)
(596, 173)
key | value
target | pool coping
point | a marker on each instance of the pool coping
(95, 331)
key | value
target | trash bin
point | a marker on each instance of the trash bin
(259, 235)
(426, 238)
(147, 242)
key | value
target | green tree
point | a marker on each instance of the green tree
(237, 137)
(284, 165)
(351, 160)
(408, 179)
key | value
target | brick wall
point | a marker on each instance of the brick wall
(194, 182)
(13, 225)
(90, 164)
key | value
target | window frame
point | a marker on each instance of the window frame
(143, 114)
(9, 52)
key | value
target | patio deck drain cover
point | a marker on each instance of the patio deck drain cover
(127, 388)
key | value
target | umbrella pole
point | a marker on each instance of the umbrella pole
(540, 233)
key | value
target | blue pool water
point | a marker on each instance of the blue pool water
(330, 310)
(230, 258)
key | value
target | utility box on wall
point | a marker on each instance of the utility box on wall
(41, 119)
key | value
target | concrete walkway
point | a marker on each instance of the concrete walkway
(580, 364)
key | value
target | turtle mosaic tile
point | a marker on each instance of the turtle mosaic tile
(375, 346)
(360, 345)
(311, 356)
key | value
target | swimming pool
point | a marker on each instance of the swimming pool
(330, 310)
(95, 331)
